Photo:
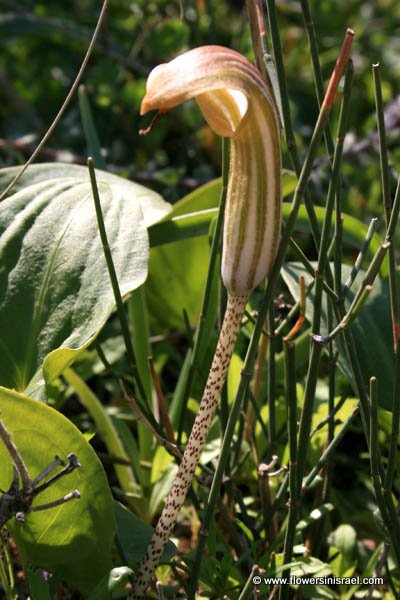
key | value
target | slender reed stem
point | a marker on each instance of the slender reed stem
(331, 448)
(293, 504)
(387, 204)
(394, 305)
(385, 504)
(287, 120)
(6, 582)
(182, 401)
(319, 87)
(318, 79)
(394, 216)
(271, 382)
(257, 29)
(365, 288)
(383, 151)
(306, 416)
(361, 255)
(312, 374)
(394, 434)
(115, 286)
(308, 265)
(375, 454)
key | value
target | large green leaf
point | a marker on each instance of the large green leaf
(55, 293)
(371, 329)
(74, 540)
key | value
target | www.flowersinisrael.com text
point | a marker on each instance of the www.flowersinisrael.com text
(330, 580)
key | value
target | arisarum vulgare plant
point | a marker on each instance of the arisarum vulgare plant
(237, 103)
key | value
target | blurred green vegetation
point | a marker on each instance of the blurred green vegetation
(42, 48)
(43, 44)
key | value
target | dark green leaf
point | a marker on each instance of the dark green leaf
(371, 328)
(134, 536)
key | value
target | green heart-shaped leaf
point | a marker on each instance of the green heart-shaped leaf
(55, 292)
(74, 540)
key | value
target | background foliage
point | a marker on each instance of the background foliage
(42, 46)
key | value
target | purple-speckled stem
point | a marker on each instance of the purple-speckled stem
(216, 379)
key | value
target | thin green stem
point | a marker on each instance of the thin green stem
(258, 35)
(140, 335)
(337, 245)
(331, 449)
(185, 390)
(6, 572)
(309, 394)
(308, 265)
(318, 79)
(394, 308)
(319, 87)
(285, 107)
(260, 421)
(307, 412)
(375, 453)
(313, 44)
(291, 397)
(89, 129)
(394, 434)
(117, 292)
(383, 151)
(394, 216)
(365, 288)
(249, 585)
(361, 256)
(387, 507)
(293, 504)
(387, 204)
(335, 177)
(271, 382)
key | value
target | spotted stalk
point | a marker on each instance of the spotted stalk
(237, 104)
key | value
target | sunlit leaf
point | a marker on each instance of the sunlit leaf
(55, 292)
(74, 540)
